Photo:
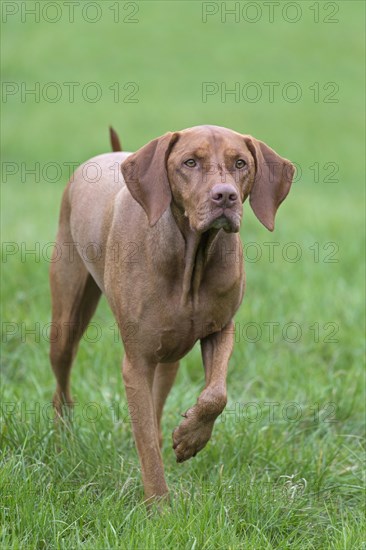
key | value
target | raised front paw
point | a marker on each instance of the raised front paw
(191, 435)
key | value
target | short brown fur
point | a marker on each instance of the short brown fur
(157, 238)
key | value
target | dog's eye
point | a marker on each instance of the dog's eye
(191, 163)
(240, 163)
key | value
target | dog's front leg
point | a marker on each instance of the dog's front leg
(138, 378)
(195, 430)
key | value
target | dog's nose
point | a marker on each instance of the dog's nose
(224, 195)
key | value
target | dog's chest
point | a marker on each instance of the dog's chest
(183, 325)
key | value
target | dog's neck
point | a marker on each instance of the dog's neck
(197, 252)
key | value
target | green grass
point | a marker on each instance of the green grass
(291, 478)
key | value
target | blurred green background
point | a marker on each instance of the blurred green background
(160, 55)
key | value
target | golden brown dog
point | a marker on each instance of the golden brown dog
(156, 237)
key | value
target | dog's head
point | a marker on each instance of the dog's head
(208, 172)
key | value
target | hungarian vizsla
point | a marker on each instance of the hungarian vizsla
(157, 232)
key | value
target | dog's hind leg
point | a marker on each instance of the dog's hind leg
(75, 296)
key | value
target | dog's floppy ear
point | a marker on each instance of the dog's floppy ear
(145, 174)
(272, 181)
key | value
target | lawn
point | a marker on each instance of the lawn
(285, 466)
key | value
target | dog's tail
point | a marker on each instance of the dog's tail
(115, 142)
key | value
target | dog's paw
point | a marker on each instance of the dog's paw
(191, 435)
(63, 409)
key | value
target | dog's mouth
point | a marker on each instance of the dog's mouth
(227, 219)
(206, 219)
